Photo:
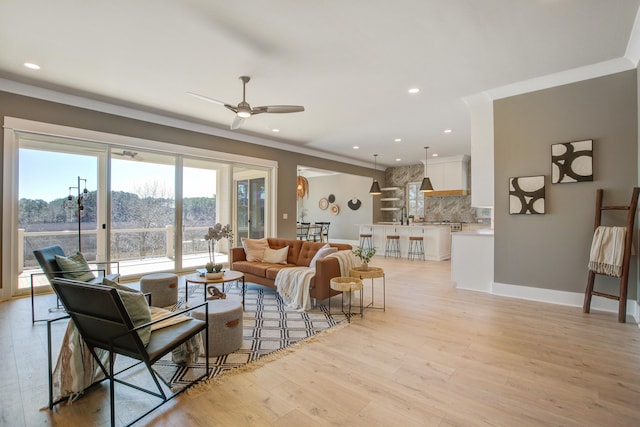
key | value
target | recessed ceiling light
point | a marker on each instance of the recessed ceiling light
(447, 131)
(355, 147)
(32, 66)
(434, 155)
(397, 160)
(414, 90)
(275, 130)
(398, 139)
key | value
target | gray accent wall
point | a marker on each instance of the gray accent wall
(551, 251)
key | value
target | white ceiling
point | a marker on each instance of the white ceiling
(349, 62)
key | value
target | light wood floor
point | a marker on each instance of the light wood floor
(437, 357)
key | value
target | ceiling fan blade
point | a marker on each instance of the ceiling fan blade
(237, 122)
(206, 98)
(280, 108)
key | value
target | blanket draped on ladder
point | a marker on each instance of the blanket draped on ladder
(607, 250)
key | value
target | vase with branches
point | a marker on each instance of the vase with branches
(214, 234)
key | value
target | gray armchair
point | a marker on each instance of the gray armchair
(46, 257)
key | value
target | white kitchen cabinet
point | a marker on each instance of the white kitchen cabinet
(449, 174)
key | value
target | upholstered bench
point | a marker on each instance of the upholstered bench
(225, 325)
(163, 288)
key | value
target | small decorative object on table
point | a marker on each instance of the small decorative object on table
(214, 234)
(214, 271)
(365, 256)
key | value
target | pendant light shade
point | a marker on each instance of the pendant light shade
(426, 182)
(375, 187)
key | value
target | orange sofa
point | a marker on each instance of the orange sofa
(300, 254)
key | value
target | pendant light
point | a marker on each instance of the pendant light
(375, 187)
(426, 182)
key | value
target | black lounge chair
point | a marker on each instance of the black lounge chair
(104, 323)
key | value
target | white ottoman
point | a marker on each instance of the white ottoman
(225, 325)
(163, 288)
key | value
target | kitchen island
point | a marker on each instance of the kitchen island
(472, 260)
(437, 238)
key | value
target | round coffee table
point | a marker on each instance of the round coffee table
(229, 276)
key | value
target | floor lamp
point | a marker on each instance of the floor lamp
(78, 204)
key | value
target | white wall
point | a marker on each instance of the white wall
(344, 225)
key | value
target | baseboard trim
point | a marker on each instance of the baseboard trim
(573, 299)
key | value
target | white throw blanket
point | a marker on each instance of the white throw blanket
(347, 261)
(293, 286)
(607, 250)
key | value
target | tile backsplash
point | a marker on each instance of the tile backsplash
(437, 208)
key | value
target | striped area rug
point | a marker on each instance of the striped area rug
(268, 328)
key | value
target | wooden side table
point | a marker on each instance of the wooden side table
(229, 276)
(372, 273)
(347, 284)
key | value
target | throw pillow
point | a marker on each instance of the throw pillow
(76, 267)
(322, 252)
(136, 304)
(276, 256)
(254, 248)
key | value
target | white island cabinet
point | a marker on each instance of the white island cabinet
(436, 238)
(472, 260)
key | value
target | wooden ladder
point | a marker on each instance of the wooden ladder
(624, 277)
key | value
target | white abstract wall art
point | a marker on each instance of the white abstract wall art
(526, 195)
(572, 162)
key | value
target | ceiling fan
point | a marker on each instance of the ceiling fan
(127, 153)
(243, 110)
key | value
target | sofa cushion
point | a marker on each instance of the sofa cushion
(276, 256)
(294, 247)
(254, 248)
(307, 252)
(322, 252)
(252, 267)
(273, 270)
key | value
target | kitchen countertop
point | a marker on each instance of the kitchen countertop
(480, 232)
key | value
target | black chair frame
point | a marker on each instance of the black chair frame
(103, 323)
(46, 260)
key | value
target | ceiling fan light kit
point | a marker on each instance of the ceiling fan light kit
(243, 110)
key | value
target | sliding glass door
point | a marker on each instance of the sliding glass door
(251, 200)
(146, 208)
(142, 228)
(59, 201)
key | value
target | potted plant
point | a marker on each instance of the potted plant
(214, 271)
(214, 234)
(365, 256)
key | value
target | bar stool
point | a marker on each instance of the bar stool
(366, 241)
(392, 246)
(416, 248)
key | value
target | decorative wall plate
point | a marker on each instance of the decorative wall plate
(331, 198)
(334, 209)
(354, 204)
(323, 203)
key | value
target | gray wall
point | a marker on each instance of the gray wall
(344, 187)
(551, 251)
